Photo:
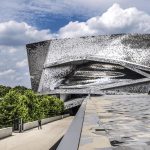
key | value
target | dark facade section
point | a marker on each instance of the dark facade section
(37, 53)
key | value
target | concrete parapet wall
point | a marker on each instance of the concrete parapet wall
(30, 125)
(5, 132)
(47, 120)
(66, 115)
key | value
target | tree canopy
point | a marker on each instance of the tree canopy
(4, 90)
(20, 102)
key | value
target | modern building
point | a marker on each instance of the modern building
(91, 65)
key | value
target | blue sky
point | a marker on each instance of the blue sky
(27, 21)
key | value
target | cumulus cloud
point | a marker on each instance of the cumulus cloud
(10, 50)
(22, 63)
(7, 72)
(114, 20)
(14, 33)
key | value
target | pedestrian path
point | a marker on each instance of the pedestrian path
(37, 139)
(119, 122)
(93, 136)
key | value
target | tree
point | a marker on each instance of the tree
(13, 107)
(4, 90)
(44, 105)
(56, 106)
(51, 106)
(20, 89)
(33, 105)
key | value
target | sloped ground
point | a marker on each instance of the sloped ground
(37, 139)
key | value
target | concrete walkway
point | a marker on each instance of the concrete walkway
(93, 136)
(126, 118)
(37, 139)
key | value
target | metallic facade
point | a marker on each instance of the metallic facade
(93, 64)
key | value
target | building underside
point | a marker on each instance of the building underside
(73, 68)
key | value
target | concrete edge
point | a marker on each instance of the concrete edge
(5, 132)
(34, 124)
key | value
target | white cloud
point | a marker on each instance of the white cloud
(19, 78)
(10, 49)
(26, 73)
(22, 63)
(13, 33)
(7, 72)
(114, 20)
